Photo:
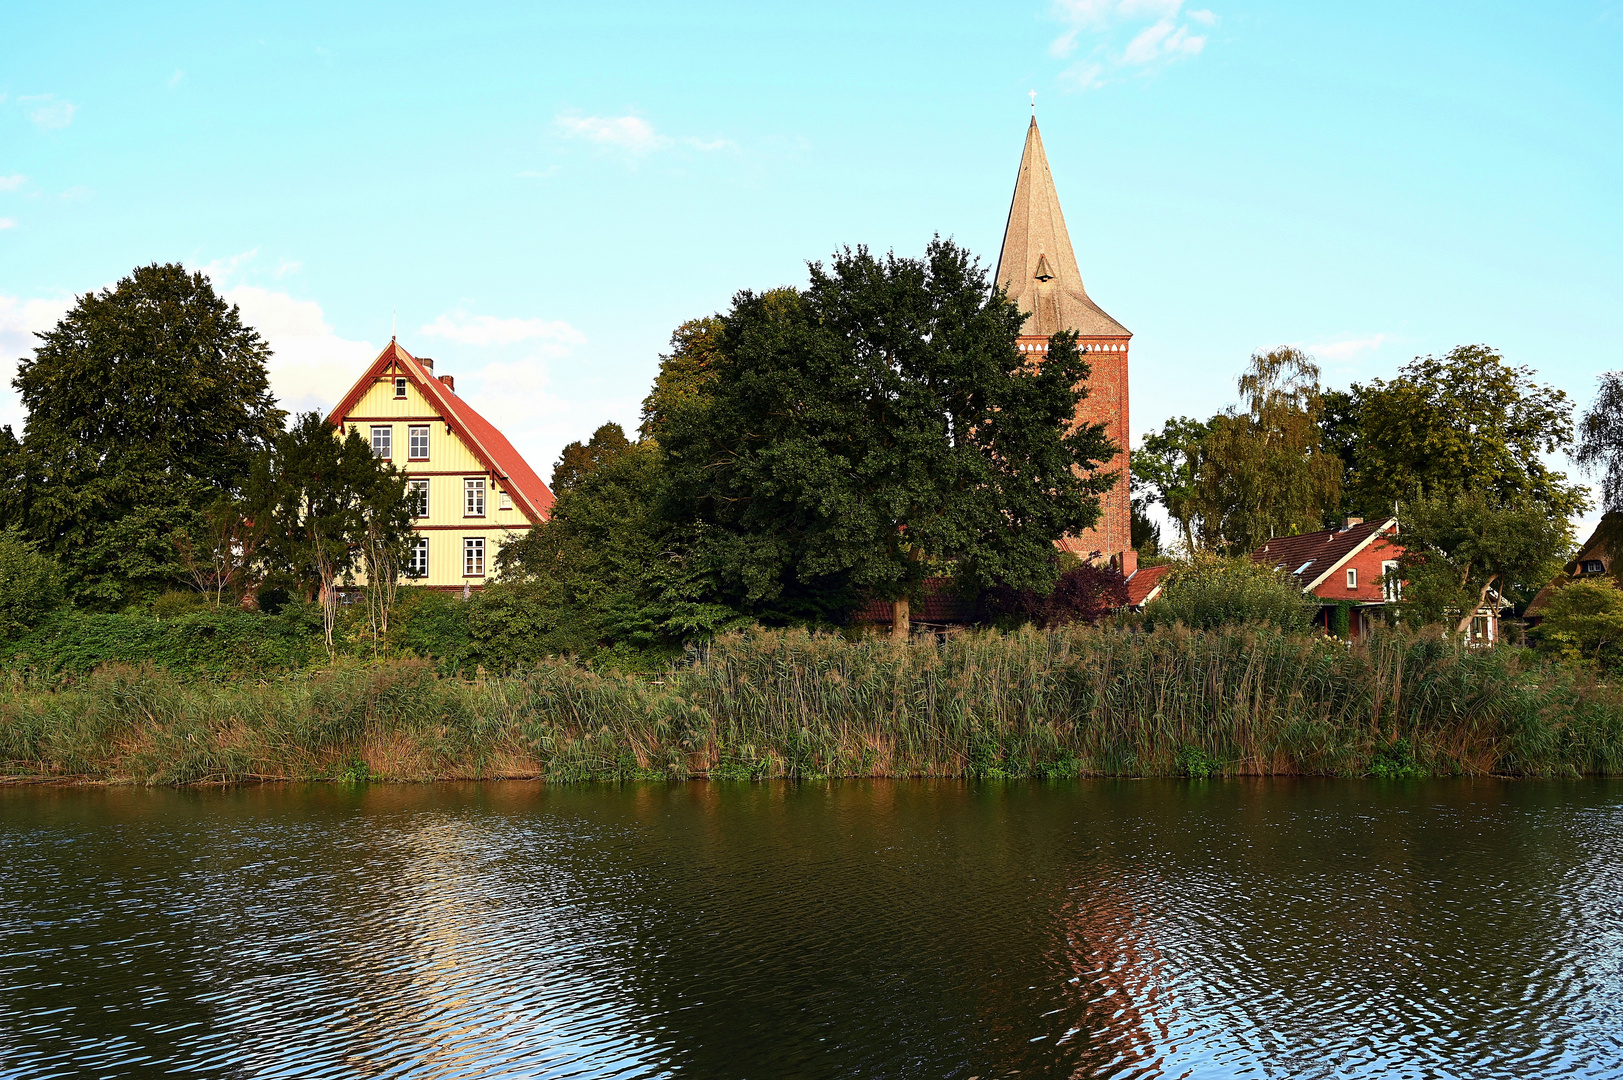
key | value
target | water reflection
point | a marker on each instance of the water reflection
(868, 929)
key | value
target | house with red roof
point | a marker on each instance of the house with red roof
(1343, 567)
(471, 490)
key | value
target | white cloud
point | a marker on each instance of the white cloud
(8, 223)
(286, 267)
(482, 330)
(20, 319)
(12, 182)
(311, 366)
(630, 133)
(1346, 349)
(1168, 36)
(46, 111)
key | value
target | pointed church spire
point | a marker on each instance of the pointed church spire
(1037, 267)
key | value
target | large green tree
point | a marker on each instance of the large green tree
(878, 428)
(685, 373)
(1466, 422)
(145, 403)
(1262, 470)
(1163, 471)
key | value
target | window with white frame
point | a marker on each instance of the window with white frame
(1594, 566)
(473, 497)
(473, 556)
(417, 442)
(417, 564)
(1392, 588)
(400, 388)
(417, 491)
(383, 442)
(1352, 579)
(504, 501)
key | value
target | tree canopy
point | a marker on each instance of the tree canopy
(876, 424)
(145, 402)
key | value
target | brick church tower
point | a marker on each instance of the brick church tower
(1037, 268)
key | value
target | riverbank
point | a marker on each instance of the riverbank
(1076, 702)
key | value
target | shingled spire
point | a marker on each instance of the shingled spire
(1037, 267)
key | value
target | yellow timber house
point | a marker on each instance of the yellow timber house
(471, 490)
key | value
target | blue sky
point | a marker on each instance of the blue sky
(543, 191)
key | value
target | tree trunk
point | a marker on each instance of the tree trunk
(1465, 624)
(901, 623)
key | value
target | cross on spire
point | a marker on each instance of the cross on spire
(1034, 104)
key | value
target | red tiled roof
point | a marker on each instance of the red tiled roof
(1145, 582)
(1308, 557)
(489, 445)
(939, 604)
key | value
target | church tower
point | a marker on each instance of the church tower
(1038, 269)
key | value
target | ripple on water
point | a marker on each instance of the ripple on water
(872, 929)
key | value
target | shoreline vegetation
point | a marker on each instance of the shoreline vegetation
(1074, 702)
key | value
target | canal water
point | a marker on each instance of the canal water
(849, 929)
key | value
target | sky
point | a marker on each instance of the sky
(537, 194)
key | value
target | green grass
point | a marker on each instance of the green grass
(1077, 702)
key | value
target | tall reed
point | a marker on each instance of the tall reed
(1074, 702)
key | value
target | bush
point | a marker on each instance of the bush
(1213, 592)
(206, 640)
(1584, 621)
(177, 602)
(30, 585)
(1083, 594)
(427, 622)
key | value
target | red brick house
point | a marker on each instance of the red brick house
(1342, 566)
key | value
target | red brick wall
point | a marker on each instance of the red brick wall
(1106, 402)
(1368, 564)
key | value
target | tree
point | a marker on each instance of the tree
(578, 459)
(685, 372)
(30, 584)
(1584, 621)
(1085, 593)
(327, 501)
(1468, 422)
(1600, 451)
(877, 425)
(1264, 472)
(1462, 549)
(145, 402)
(1163, 471)
(219, 552)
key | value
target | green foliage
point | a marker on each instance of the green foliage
(1212, 592)
(30, 584)
(688, 370)
(578, 459)
(1466, 422)
(1600, 441)
(205, 639)
(1265, 472)
(145, 402)
(1583, 620)
(858, 435)
(1078, 702)
(175, 602)
(1460, 550)
(429, 623)
(1163, 471)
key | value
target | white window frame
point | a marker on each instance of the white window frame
(399, 387)
(417, 561)
(1352, 577)
(418, 490)
(415, 434)
(1390, 588)
(504, 501)
(385, 449)
(473, 496)
(473, 556)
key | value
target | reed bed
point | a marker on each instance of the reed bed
(1075, 702)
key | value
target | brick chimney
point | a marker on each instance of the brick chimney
(1127, 563)
(449, 381)
(427, 362)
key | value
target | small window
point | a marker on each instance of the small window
(417, 491)
(473, 556)
(473, 497)
(504, 501)
(417, 565)
(383, 442)
(1594, 566)
(417, 443)
(1352, 579)
(400, 388)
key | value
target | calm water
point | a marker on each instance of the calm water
(860, 929)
